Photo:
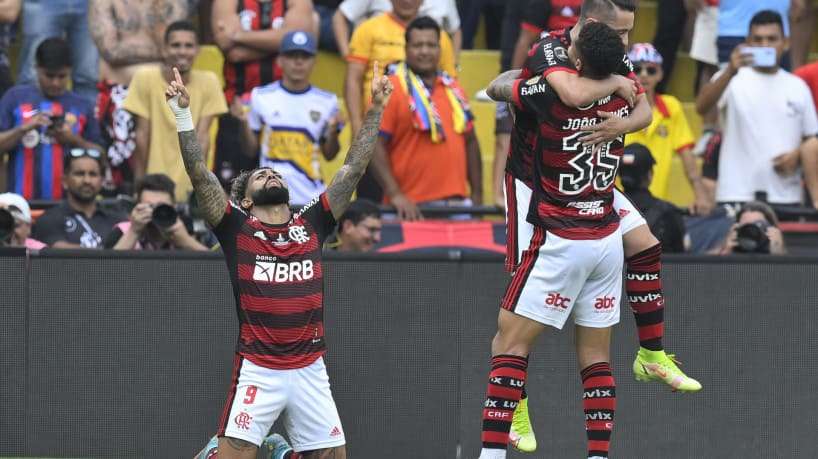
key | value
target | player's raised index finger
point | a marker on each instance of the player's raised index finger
(177, 76)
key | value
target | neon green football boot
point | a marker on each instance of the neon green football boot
(659, 366)
(521, 435)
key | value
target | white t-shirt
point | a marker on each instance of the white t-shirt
(292, 125)
(762, 115)
(444, 12)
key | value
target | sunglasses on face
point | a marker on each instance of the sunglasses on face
(651, 69)
(80, 152)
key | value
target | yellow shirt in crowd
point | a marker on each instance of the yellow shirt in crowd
(146, 98)
(668, 134)
(381, 39)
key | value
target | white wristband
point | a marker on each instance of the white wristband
(184, 120)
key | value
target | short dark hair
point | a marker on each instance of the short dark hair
(53, 54)
(603, 10)
(358, 211)
(156, 182)
(600, 49)
(69, 159)
(766, 17)
(177, 26)
(421, 23)
(238, 186)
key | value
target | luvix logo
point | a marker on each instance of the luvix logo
(283, 272)
(556, 300)
(643, 276)
(646, 298)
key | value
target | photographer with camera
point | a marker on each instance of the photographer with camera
(154, 222)
(769, 123)
(755, 231)
(40, 122)
(15, 222)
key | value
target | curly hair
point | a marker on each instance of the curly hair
(238, 186)
(600, 50)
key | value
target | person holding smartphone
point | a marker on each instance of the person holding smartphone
(40, 123)
(769, 143)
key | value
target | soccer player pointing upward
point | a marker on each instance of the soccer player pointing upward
(274, 259)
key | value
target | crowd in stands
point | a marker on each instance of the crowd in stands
(84, 117)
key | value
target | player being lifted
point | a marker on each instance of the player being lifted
(274, 259)
(548, 59)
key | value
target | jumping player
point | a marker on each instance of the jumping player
(274, 259)
(573, 264)
(548, 59)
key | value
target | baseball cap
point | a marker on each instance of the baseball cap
(644, 52)
(297, 40)
(17, 206)
(636, 160)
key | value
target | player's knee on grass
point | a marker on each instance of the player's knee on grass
(236, 448)
(638, 240)
(338, 452)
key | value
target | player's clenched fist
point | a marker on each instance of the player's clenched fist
(381, 86)
(177, 88)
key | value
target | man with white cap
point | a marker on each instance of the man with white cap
(16, 206)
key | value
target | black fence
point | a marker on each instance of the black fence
(129, 356)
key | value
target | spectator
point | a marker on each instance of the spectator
(671, 18)
(69, 19)
(356, 11)
(249, 35)
(669, 133)
(381, 39)
(121, 54)
(9, 12)
(18, 208)
(809, 73)
(326, 10)
(755, 231)
(541, 16)
(157, 146)
(153, 224)
(765, 139)
(734, 19)
(78, 222)
(488, 12)
(40, 122)
(703, 50)
(802, 18)
(664, 219)
(427, 149)
(359, 228)
(294, 119)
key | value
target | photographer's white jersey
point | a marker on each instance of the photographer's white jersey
(762, 116)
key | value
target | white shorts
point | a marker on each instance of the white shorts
(558, 276)
(519, 232)
(259, 395)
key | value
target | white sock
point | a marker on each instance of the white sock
(492, 453)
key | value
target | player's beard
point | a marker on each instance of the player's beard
(271, 196)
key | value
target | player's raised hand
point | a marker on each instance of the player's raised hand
(381, 86)
(177, 88)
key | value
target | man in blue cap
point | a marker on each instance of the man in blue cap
(286, 123)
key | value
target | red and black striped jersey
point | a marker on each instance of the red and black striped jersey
(573, 183)
(277, 280)
(242, 77)
(549, 54)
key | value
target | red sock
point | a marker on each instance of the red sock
(599, 402)
(644, 288)
(505, 388)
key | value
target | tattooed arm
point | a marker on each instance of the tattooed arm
(209, 194)
(500, 90)
(360, 153)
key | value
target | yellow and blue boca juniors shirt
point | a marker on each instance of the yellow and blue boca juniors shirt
(291, 126)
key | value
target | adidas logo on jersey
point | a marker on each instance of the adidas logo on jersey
(260, 235)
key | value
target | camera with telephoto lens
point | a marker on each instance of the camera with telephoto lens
(752, 237)
(6, 226)
(164, 216)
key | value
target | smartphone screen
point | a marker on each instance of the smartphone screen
(763, 56)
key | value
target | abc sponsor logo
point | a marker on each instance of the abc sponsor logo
(605, 303)
(556, 301)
